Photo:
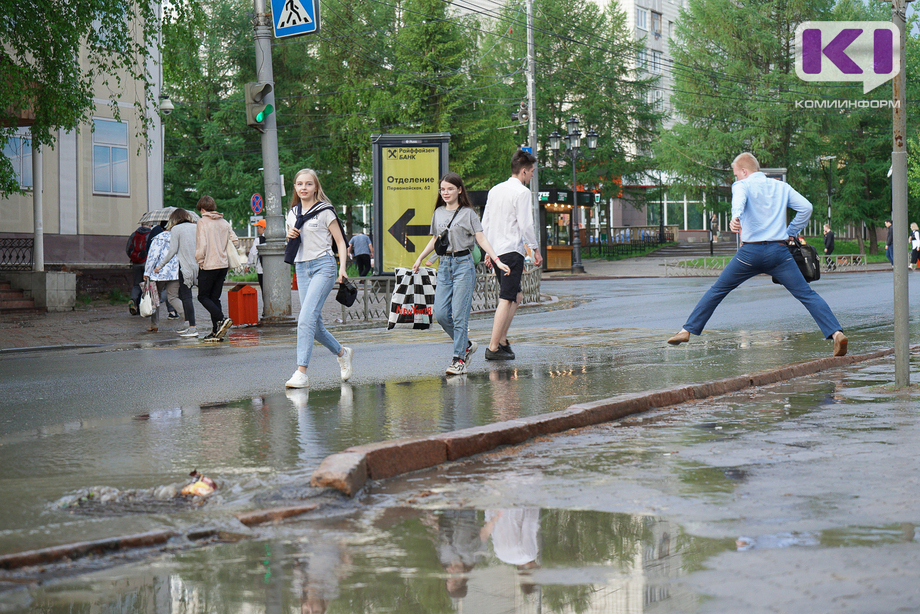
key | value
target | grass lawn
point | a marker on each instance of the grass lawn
(593, 252)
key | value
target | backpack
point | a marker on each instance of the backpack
(137, 245)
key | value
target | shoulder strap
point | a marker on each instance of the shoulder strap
(455, 215)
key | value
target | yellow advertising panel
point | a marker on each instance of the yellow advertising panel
(409, 180)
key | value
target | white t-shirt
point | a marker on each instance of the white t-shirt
(315, 238)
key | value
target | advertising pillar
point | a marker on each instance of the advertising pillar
(406, 169)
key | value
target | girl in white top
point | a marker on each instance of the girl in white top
(315, 269)
(453, 298)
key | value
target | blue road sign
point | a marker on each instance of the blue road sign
(256, 203)
(295, 17)
(527, 149)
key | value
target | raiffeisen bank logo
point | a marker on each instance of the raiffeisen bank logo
(867, 51)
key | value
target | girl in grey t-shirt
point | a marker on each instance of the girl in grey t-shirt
(453, 299)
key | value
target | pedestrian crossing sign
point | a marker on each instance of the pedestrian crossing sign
(295, 17)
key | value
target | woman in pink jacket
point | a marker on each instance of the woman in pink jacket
(211, 237)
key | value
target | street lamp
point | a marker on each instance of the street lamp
(830, 190)
(573, 151)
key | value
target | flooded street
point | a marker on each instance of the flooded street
(647, 515)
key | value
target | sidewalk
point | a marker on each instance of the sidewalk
(103, 324)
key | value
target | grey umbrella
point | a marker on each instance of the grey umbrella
(161, 215)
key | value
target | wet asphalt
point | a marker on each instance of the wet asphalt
(815, 474)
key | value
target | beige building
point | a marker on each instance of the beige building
(95, 183)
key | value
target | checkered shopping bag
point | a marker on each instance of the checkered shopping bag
(412, 304)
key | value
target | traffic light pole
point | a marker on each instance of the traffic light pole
(276, 291)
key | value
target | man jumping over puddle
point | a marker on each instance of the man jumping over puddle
(759, 214)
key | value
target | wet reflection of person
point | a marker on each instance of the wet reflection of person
(460, 548)
(317, 573)
(514, 535)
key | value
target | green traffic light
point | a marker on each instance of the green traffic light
(268, 110)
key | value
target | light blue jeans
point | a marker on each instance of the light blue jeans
(775, 260)
(315, 279)
(453, 299)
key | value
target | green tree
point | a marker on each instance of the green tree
(735, 90)
(53, 55)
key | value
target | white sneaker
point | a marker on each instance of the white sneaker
(345, 363)
(188, 332)
(456, 367)
(470, 350)
(298, 380)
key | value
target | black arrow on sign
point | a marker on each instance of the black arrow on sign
(402, 230)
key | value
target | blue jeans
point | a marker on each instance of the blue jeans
(889, 253)
(773, 259)
(453, 299)
(315, 279)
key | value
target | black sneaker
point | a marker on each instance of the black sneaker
(223, 328)
(132, 308)
(506, 349)
(173, 316)
(499, 354)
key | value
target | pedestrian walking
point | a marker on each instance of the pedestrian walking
(164, 272)
(136, 249)
(182, 230)
(254, 259)
(507, 223)
(914, 244)
(889, 242)
(362, 250)
(312, 222)
(829, 246)
(212, 234)
(759, 214)
(453, 297)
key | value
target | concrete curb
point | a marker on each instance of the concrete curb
(101, 547)
(348, 471)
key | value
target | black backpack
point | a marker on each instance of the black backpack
(137, 246)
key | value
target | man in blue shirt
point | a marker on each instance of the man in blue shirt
(759, 214)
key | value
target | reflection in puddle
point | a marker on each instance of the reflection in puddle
(406, 560)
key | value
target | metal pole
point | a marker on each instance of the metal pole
(276, 293)
(532, 123)
(38, 236)
(577, 266)
(899, 210)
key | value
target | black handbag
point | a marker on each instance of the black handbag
(806, 257)
(442, 243)
(347, 293)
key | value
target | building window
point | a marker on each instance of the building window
(19, 151)
(656, 24)
(642, 59)
(641, 18)
(110, 157)
(656, 63)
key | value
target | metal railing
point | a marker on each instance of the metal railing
(374, 293)
(16, 254)
(629, 240)
(713, 265)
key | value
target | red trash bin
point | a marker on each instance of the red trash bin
(243, 304)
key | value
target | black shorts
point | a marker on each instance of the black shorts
(510, 284)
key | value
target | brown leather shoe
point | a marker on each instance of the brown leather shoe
(840, 344)
(681, 337)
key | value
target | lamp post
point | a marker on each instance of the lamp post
(166, 108)
(827, 176)
(573, 151)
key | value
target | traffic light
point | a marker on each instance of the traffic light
(256, 110)
(521, 115)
